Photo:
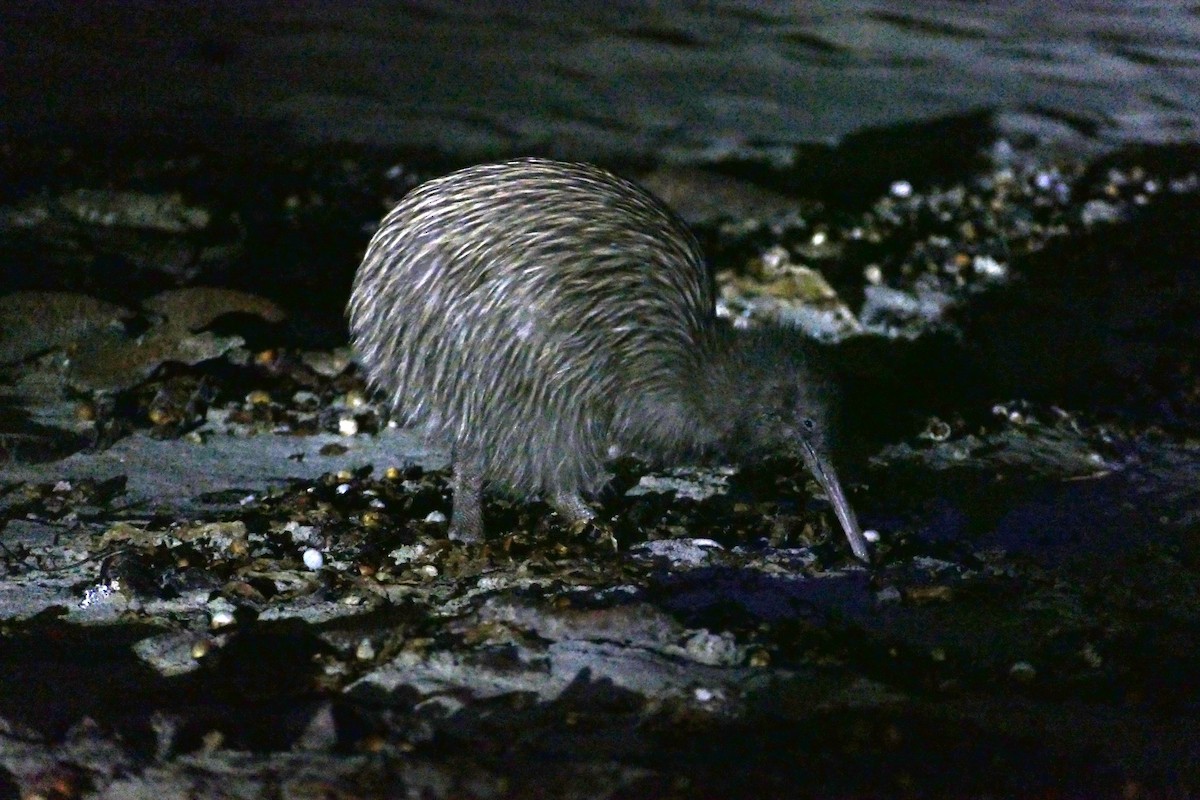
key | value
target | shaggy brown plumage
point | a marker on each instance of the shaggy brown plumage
(536, 316)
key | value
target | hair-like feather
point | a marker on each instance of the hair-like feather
(532, 315)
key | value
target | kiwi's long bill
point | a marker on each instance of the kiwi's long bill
(822, 470)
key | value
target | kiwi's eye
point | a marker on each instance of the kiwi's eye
(808, 424)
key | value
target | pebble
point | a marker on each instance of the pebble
(406, 553)
(712, 649)
(221, 618)
(258, 397)
(99, 592)
(937, 430)
(1095, 211)
(1022, 672)
(887, 595)
(989, 267)
(313, 559)
(347, 426)
(300, 533)
(901, 189)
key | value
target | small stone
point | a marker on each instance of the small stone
(887, 595)
(871, 535)
(258, 397)
(329, 363)
(300, 533)
(774, 260)
(212, 741)
(989, 267)
(201, 648)
(313, 559)
(1099, 211)
(407, 553)
(956, 265)
(1022, 672)
(221, 618)
(712, 649)
(347, 426)
(435, 516)
(901, 189)
(937, 430)
(365, 650)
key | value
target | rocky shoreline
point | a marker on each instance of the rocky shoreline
(224, 572)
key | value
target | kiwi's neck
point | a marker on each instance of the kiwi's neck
(724, 395)
(683, 412)
(717, 395)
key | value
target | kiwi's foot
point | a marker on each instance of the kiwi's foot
(582, 520)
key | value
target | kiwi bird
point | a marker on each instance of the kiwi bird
(535, 317)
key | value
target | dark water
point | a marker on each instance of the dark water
(601, 79)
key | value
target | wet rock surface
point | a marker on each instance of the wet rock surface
(224, 572)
